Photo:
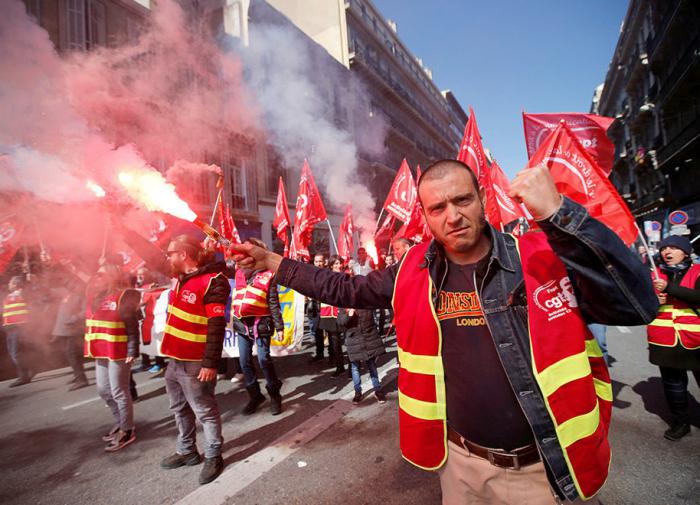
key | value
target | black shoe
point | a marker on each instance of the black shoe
(357, 398)
(276, 404)
(380, 397)
(20, 382)
(253, 404)
(211, 470)
(177, 460)
(314, 359)
(677, 431)
(338, 372)
(79, 384)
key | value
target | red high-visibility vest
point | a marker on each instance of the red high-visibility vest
(567, 362)
(15, 310)
(251, 300)
(105, 331)
(328, 311)
(677, 323)
(185, 334)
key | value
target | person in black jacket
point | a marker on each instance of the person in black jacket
(674, 361)
(364, 345)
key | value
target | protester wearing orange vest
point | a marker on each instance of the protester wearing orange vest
(329, 324)
(194, 333)
(674, 336)
(257, 317)
(501, 386)
(112, 339)
(15, 316)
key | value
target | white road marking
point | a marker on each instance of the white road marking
(624, 329)
(242, 473)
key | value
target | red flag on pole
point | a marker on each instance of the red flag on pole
(589, 129)
(282, 220)
(501, 209)
(579, 177)
(226, 223)
(345, 242)
(471, 151)
(385, 230)
(416, 228)
(402, 195)
(309, 211)
(10, 235)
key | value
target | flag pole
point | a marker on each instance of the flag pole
(379, 218)
(651, 256)
(216, 207)
(330, 229)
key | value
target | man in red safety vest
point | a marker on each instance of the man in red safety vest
(501, 385)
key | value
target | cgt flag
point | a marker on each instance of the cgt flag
(589, 129)
(345, 243)
(282, 220)
(578, 177)
(500, 209)
(309, 211)
(402, 195)
(10, 237)
(416, 229)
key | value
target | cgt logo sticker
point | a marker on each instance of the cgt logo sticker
(556, 298)
(189, 297)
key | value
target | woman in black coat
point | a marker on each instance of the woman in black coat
(363, 343)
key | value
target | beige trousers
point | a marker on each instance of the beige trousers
(467, 479)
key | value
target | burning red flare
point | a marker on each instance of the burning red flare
(152, 190)
(96, 189)
(371, 249)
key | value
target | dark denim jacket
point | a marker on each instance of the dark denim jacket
(612, 287)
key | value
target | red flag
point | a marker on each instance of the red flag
(345, 242)
(231, 228)
(10, 236)
(471, 151)
(309, 211)
(416, 228)
(501, 209)
(577, 176)
(402, 195)
(282, 220)
(385, 230)
(589, 129)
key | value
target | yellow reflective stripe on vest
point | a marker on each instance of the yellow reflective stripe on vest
(419, 363)
(181, 314)
(14, 305)
(15, 313)
(593, 349)
(603, 390)
(257, 292)
(106, 336)
(562, 372)
(666, 323)
(104, 324)
(254, 302)
(688, 327)
(420, 409)
(578, 427)
(185, 335)
(684, 312)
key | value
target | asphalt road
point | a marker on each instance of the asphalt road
(321, 450)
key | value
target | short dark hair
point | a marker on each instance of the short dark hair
(192, 247)
(438, 169)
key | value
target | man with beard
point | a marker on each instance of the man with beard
(194, 338)
(502, 388)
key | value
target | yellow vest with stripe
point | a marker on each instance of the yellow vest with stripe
(15, 310)
(250, 300)
(677, 323)
(105, 331)
(568, 365)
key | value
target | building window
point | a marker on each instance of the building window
(238, 183)
(86, 24)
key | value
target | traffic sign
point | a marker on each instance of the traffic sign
(678, 217)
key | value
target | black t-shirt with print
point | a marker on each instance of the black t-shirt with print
(481, 405)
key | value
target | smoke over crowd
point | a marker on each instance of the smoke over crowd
(173, 99)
